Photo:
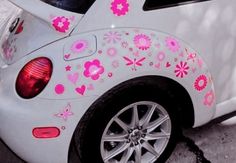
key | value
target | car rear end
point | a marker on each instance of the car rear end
(28, 124)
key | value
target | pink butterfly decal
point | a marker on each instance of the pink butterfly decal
(134, 62)
(66, 113)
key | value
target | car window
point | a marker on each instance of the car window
(78, 6)
(157, 4)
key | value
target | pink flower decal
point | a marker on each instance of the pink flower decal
(115, 64)
(93, 69)
(8, 50)
(61, 24)
(161, 56)
(181, 69)
(143, 42)
(120, 7)
(79, 46)
(200, 83)
(111, 52)
(112, 37)
(209, 98)
(172, 44)
(124, 44)
(66, 113)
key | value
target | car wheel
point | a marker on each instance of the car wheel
(132, 124)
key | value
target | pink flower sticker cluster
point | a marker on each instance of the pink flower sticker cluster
(93, 69)
(209, 98)
(61, 24)
(142, 42)
(112, 37)
(172, 44)
(79, 46)
(181, 69)
(200, 83)
(120, 7)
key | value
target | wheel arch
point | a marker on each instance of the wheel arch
(172, 88)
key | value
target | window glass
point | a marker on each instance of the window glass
(157, 4)
(79, 6)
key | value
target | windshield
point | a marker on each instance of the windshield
(79, 6)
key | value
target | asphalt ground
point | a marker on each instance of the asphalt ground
(214, 142)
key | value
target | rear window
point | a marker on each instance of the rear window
(157, 4)
(78, 6)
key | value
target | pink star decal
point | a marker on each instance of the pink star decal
(66, 113)
(68, 68)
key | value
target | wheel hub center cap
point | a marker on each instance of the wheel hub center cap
(135, 135)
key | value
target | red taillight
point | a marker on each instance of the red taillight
(34, 77)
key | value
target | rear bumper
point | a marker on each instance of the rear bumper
(18, 121)
(19, 118)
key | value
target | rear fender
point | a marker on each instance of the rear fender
(93, 63)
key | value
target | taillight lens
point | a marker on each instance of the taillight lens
(34, 77)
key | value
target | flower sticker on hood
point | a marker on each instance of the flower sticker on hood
(93, 69)
(120, 7)
(61, 24)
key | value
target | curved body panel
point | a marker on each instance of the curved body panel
(111, 44)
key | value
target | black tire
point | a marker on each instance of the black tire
(87, 137)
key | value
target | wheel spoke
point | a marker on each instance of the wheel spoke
(148, 116)
(138, 154)
(115, 138)
(153, 125)
(156, 136)
(135, 118)
(109, 155)
(150, 149)
(126, 156)
(122, 124)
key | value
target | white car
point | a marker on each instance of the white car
(113, 80)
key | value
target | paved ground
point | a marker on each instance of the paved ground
(217, 142)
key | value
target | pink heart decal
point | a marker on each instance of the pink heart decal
(20, 28)
(194, 70)
(90, 87)
(80, 90)
(181, 54)
(51, 16)
(158, 66)
(72, 18)
(73, 77)
(200, 63)
(168, 64)
(67, 56)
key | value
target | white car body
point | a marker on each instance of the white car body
(204, 33)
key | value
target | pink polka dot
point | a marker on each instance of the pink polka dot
(59, 89)
(110, 74)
